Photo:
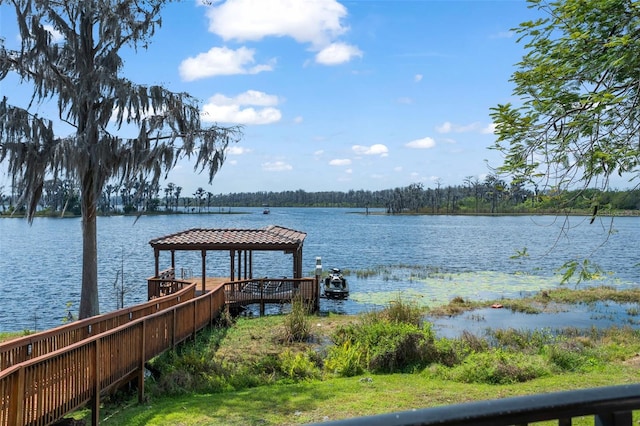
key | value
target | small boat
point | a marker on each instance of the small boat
(265, 209)
(335, 285)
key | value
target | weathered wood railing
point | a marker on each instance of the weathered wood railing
(34, 345)
(270, 290)
(42, 389)
(164, 284)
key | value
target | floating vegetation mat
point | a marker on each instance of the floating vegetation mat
(430, 286)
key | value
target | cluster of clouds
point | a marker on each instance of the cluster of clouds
(318, 25)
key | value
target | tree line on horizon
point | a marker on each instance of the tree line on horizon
(491, 196)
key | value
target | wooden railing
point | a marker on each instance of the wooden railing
(164, 284)
(40, 390)
(38, 344)
(270, 290)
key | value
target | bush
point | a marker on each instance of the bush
(386, 345)
(300, 365)
(499, 367)
(346, 359)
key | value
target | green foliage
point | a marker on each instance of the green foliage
(570, 357)
(578, 95)
(346, 359)
(388, 341)
(499, 366)
(297, 326)
(402, 311)
(299, 365)
(581, 271)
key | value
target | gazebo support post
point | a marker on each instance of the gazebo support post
(156, 254)
(232, 266)
(204, 270)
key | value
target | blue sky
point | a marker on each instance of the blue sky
(335, 95)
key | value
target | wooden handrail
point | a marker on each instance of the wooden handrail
(19, 350)
(41, 390)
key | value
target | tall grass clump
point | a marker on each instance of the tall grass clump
(297, 325)
(499, 367)
(392, 340)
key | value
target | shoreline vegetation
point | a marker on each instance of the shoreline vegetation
(298, 368)
(492, 197)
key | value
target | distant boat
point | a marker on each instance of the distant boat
(266, 209)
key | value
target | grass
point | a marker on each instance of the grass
(252, 374)
(317, 401)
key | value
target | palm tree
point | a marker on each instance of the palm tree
(81, 74)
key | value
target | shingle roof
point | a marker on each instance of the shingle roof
(270, 238)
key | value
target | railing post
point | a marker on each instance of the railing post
(173, 331)
(16, 409)
(95, 401)
(262, 297)
(142, 361)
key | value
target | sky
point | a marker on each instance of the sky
(334, 95)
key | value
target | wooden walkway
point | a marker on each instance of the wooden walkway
(47, 375)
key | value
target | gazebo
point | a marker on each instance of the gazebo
(240, 243)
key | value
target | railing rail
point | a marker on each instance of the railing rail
(609, 406)
(269, 290)
(41, 390)
(22, 349)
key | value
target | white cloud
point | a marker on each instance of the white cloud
(423, 143)
(448, 127)
(316, 22)
(417, 78)
(237, 150)
(298, 120)
(221, 108)
(503, 34)
(377, 149)
(222, 61)
(405, 100)
(444, 127)
(276, 166)
(56, 36)
(340, 162)
(490, 129)
(337, 53)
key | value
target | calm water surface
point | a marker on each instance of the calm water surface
(427, 258)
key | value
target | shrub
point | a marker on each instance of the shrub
(346, 359)
(499, 367)
(387, 346)
(299, 366)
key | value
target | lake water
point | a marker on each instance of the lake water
(430, 259)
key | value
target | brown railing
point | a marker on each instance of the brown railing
(42, 389)
(164, 284)
(270, 290)
(35, 345)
